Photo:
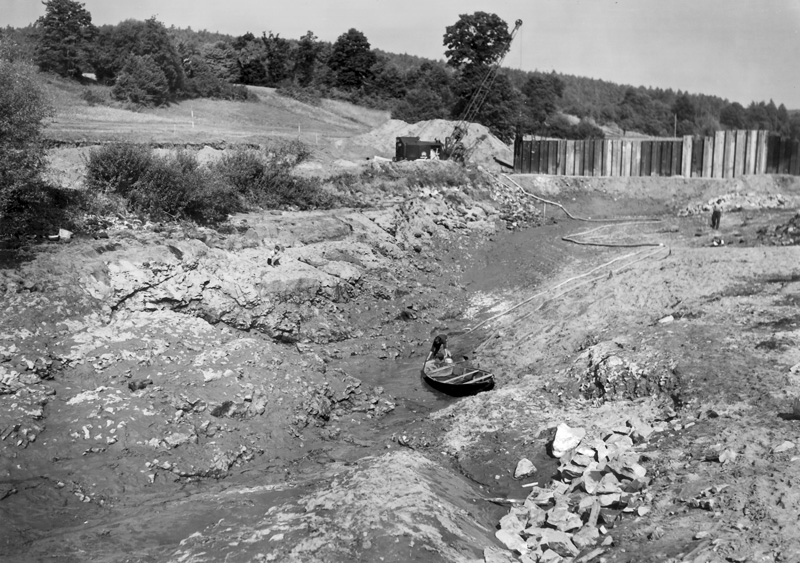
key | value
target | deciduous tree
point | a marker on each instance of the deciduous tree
(305, 63)
(476, 39)
(542, 93)
(148, 38)
(23, 107)
(142, 81)
(351, 60)
(66, 35)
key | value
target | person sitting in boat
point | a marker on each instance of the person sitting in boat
(439, 350)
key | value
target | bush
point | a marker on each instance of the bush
(23, 107)
(264, 179)
(142, 82)
(41, 209)
(116, 168)
(202, 82)
(213, 200)
(177, 187)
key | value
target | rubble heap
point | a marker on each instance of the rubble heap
(612, 370)
(787, 234)
(736, 202)
(599, 479)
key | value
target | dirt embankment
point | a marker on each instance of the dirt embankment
(168, 395)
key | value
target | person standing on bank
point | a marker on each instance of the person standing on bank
(716, 215)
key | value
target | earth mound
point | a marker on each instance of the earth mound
(481, 145)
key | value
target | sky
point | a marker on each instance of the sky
(740, 50)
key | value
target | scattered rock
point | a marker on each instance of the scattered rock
(525, 468)
(785, 446)
(566, 439)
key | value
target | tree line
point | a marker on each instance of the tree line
(147, 63)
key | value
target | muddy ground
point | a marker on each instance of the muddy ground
(167, 395)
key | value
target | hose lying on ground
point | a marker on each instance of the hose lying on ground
(572, 239)
(590, 272)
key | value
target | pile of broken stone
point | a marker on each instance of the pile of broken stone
(599, 479)
(736, 201)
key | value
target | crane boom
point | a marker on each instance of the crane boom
(454, 148)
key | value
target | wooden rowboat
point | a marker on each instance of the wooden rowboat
(456, 379)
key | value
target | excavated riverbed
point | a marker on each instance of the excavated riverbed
(169, 397)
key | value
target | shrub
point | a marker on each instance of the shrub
(212, 200)
(167, 186)
(116, 168)
(142, 82)
(40, 209)
(22, 108)
(202, 82)
(264, 178)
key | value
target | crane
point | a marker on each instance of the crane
(454, 147)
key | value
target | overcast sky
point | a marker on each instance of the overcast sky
(742, 50)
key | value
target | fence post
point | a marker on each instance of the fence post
(647, 158)
(739, 152)
(719, 154)
(607, 157)
(698, 144)
(686, 156)
(597, 165)
(750, 152)
(730, 138)
(675, 166)
(708, 157)
(626, 158)
(636, 158)
(570, 171)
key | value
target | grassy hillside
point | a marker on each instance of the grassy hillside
(268, 115)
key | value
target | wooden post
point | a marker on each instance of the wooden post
(786, 157)
(655, 166)
(730, 153)
(761, 158)
(697, 156)
(794, 163)
(719, 154)
(686, 156)
(588, 157)
(607, 157)
(739, 152)
(750, 152)
(626, 158)
(616, 157)
(647, 158)
(525, 156)
(570, 168)
(708, 157)
(597, 165)
(552, 157)
(636, 158)
(675, 165)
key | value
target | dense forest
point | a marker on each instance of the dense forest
(147, 63)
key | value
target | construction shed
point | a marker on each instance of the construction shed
(411, 148)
